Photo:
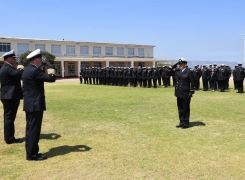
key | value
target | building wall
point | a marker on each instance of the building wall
(70, 64)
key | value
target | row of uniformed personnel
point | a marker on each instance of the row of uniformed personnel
(142, 77)
(218, 77)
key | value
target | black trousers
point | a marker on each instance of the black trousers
(33, 129)
(10, 107)
(154, 83)
(240, 86)
(183, 105)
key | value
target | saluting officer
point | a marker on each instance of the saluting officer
(11, 93)
(34, 101)
(184, 89)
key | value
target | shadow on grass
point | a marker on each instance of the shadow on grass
(61, 150)
(196, 123)
(50, 136)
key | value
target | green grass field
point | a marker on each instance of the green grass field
(108, 132)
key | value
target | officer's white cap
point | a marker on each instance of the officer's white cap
(37, 52)
(239, 63)
(10, 54)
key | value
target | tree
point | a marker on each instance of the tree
(48, 55)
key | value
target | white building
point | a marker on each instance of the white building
(73, 55)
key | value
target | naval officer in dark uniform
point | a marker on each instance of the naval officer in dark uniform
(184, 89)
(34, 101)
(11, 94)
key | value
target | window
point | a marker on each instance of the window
(4, 47)
(84, 50)
(70, 49)
(57, 69)
(56, 49)
(141, 52)
(71, 68)
(120, 51)
(97, 64)
(109, 51)
(40, 46)
(96, 50)
(131, 51)
(120, 64)
(22, 48)
(84, 65)
(110, 64)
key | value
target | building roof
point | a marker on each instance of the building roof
(68, 41)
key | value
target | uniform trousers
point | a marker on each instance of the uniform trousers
(33, 129)
(10, 107)
(240, 86)
(184, 110)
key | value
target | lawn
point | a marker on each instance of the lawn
(109, 132)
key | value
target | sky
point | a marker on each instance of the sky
(198, 30)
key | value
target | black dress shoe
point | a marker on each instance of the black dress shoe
(185, 127)
(178, 126)
(14, 141)
(37, 157)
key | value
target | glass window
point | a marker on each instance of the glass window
(120, 64)
(141, 52)
(109, 51)
(70, 49)
(84, 65)
(71, 68)
(22, 48)
(120, 51)
(56, 49)
(131, 51)
(84, 50)
(110, 64)
(96, 50)
(40, 46)
(4, 47)
(97, 64)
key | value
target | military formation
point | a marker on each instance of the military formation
(131, 77)
(213, 77)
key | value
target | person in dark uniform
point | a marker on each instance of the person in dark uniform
(139, 76)
(134, 77)
(81, 76)
(196, 77)
(154, 76)
(213, 77)
(164, 75)
(205, 77)
(86, 76)
(148, 77)
(221, 77)
(239, 77)
(184, 89)
(159, 77)
(143, 76)
(34, 101)
(234, 77)
(11, 93)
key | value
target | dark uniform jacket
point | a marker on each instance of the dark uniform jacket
(10, 82)
(239, 74)
(184, 83)
(33, 88)
(205, 73)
